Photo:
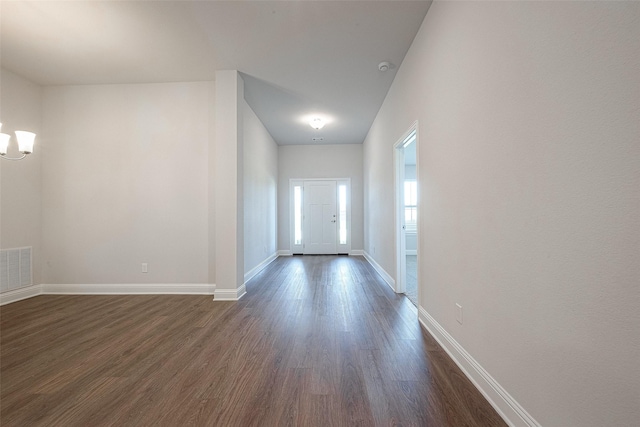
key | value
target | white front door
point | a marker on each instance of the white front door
(319, 213)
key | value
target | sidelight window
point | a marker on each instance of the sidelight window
(342, 213)
(297, 213)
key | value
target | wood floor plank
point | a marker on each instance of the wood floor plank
(317, 341)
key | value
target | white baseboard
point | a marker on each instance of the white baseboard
(285, 252)
(230, 294)
(255, 270)
(130, 289)
(356, 252)
(386, 276)
(508, 408)
(113, 289)
(20, 294)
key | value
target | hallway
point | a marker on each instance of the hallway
(317, 341)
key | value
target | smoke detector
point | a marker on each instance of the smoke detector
(384, 66)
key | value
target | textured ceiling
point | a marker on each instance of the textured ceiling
(297, 57)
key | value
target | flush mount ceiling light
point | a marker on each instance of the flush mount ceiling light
(25, 143)
(317, 123)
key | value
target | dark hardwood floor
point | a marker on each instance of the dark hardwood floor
(317, 341)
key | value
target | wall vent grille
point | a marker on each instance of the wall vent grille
(15, 268)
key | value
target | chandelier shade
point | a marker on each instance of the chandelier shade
(25, 143)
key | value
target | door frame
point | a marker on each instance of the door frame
(299, 249)
(400, 236)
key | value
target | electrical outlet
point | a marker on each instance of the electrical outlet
(459, 313)
(145, 267)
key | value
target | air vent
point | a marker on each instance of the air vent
(15, 268)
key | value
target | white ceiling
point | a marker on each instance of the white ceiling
(297, 57)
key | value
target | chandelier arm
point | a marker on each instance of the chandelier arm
(14, 158)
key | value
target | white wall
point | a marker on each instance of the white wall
(409, 171)
(320, 161)
(529, 122)
(260, 191)
(21, 181)
(229, 187)
(125, 181)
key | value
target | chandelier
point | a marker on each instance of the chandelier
(25, 143)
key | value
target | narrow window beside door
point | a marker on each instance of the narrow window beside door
(297, 209)
(342, 213)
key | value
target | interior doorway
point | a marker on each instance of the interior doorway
(320, 216)
(406, 197)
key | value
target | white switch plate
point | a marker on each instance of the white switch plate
(459, 313)
(145, 268)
